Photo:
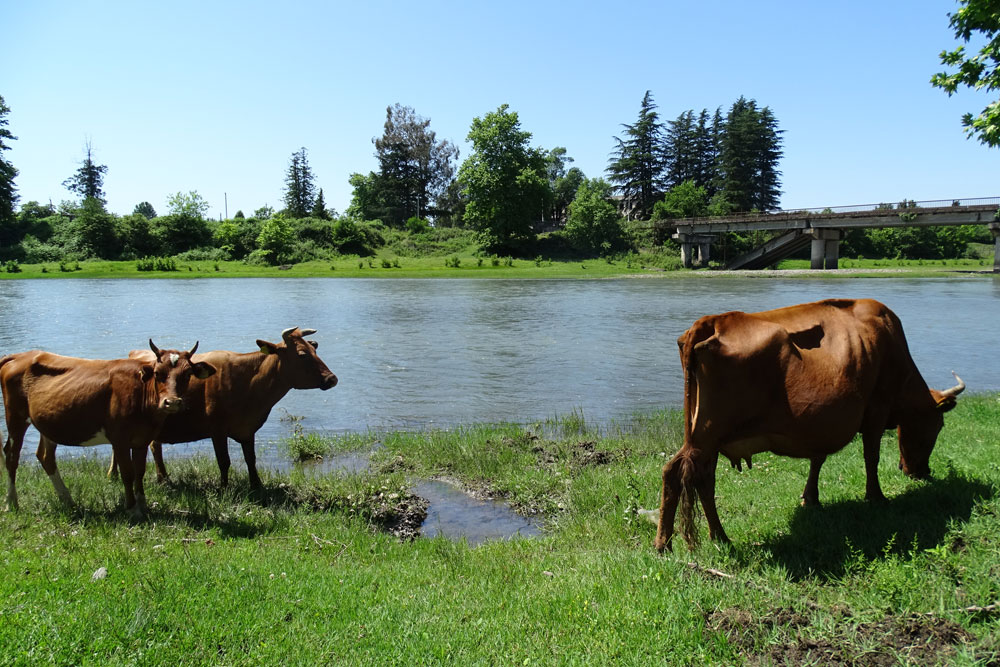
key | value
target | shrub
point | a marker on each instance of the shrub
(12, 266)
(153, 264)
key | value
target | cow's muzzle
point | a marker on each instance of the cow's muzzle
(329, 382)
(172, 405)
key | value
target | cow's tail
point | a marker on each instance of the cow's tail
(689, 496)
(685, 460)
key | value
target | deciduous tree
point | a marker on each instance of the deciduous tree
(503, 180)
(980, 18)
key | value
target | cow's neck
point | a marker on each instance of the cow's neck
(267, 378)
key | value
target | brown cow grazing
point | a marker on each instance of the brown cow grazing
(798, 381)
(83, 402)
(236, 401)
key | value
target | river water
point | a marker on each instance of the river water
(413, 354)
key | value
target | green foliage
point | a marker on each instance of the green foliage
(350, 237)
(88, 181)
(237, 238)
(749, 151)
(156, 264)
(638, 161)
(910, 242)
(145, 209)
(319, 209)
(12, 266)
(593, 224)
(8, 191)
(96, 230)
(275, 240)
(300, 191)
(177, 233)
(416, 225)
(686, 200)
(415, 169)
(978, 72)
(503, 181)
(190, 205)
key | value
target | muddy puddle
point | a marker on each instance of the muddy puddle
(451, 512)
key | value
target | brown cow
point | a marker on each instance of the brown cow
(798, 381)
(83, 402)
(236, 401)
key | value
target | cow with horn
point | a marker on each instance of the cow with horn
(801, 382)
(236, 401)
(82, 402)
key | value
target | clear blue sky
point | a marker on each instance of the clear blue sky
(216, 96)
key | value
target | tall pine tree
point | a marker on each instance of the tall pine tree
(88, 181)
(8, 192)
(638, 162)
(300, 191)
(749, 151)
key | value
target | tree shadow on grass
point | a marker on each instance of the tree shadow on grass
(823, 541)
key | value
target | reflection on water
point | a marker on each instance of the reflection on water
(413, 354)
(456, 515)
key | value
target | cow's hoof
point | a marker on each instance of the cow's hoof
(811, 502)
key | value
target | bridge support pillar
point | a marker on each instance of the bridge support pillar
(995, 230)
(825, 248)
(694, 249)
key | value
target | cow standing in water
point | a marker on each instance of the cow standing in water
(801, 382)
(236, 401)
(81, 402)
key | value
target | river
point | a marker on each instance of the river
(414, 354)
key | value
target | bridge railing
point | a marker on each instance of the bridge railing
(870, 209)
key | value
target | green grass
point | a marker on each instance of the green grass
(390, 265)
(308, 575)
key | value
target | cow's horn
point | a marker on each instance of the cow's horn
(307, 332)
(287, 332)
(155, 349)
(194, 348)
(956, 390)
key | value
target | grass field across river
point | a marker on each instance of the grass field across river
(309, 574)
(471, 266)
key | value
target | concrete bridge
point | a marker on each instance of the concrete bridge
(822, 229)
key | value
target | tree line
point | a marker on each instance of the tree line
(510, 196)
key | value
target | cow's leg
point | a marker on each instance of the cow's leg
(250, 456)
(113, 467)
(872, 440)
(810, 495)
(124, 455)
(12, 456)
(161, 471)
(138, 462)
(221, 445)
(705, 483)
(669, 498)
(46, 454)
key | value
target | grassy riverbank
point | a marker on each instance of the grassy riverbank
(310, 575)
(470, 266)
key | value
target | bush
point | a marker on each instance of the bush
(203, 255)
(357, 238)
(12, 266)
(153, 264)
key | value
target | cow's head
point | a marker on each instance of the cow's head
(918, 430)
(171, 373)
(300, 365)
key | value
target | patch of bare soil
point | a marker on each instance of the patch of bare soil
(403, 517)
(918, 640)
(582, 454)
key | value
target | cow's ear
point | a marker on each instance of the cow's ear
(145, 372)
(267, 348)
(314, 344)
(203, 370)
